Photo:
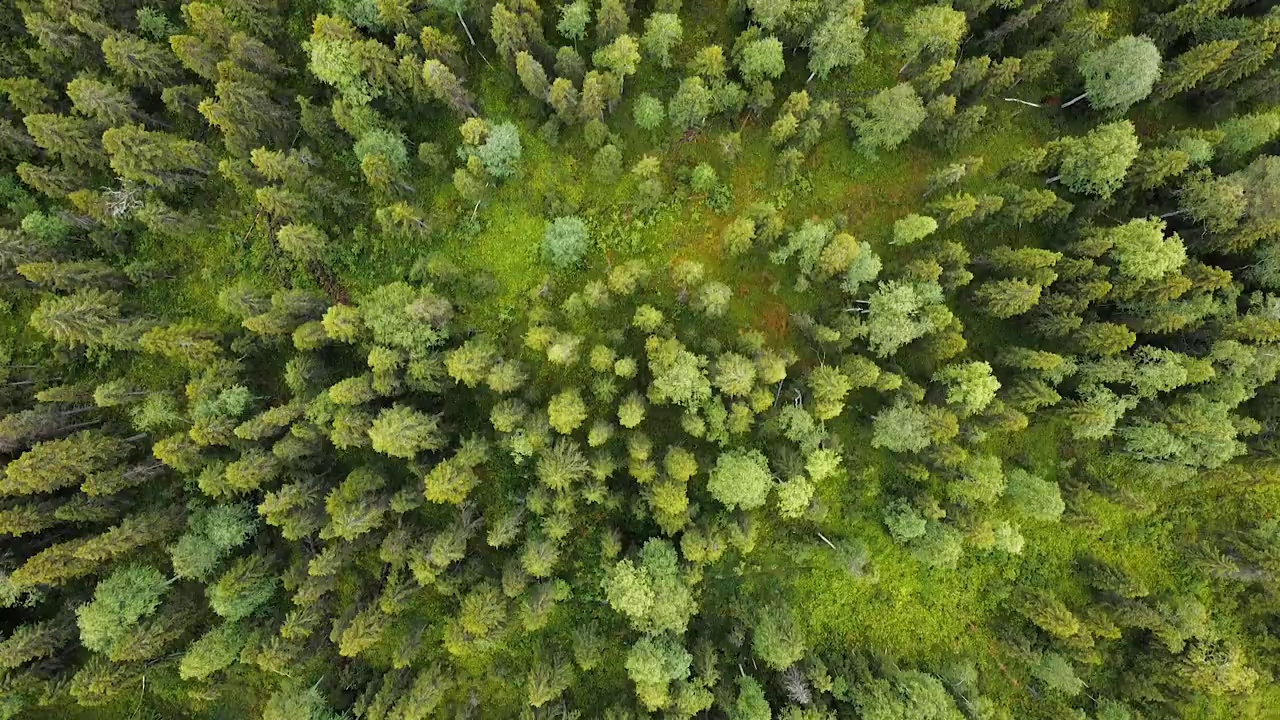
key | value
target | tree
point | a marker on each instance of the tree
(805, 244)
(138, 61)
(776, 638)
(649, 112)
(1033, 496)
(1057, 674)
(889, 118)
(246, 586)
(740, 479)
(88, 318)
(210, 537)
(1119, 75)
(1218, 202)
(447, 88)
(761, 60)
(935, 28)
(574, 18)
(662, 33)
(837, 42)
(567, 411)
(305, 242)
(1007, 298)
(900, 313)
(751, 703)
(155, 158)
(403, 432)
(913, 228)
(1143, 252)
(532, 76)
(129, 594)
(70, 138)
(902, 428)
(501, 151)
(606, 166)
(300, 704)
(911, 694)
(354, 507)
(651, 594)
(33, 641)
(1243, 135)
(400, 316)
(55, 464)
(971, 386)
(564, 99)
(1096, 163)
(216, 650)
(829, 387)
(734, 375)
(679, 376)
(1185, 71)
(691, 104)
(653, 663)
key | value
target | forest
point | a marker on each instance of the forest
(621, 359)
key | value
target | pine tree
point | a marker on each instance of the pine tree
(155, 157)
(1006, 298)
(662, 33)
(447, 88)
(71, 138)
(56, 464)
(1185, 71)
(532, 76)
(138, 61)
(1097, 162)
(249, 583)
(837, 42)
(402, 431)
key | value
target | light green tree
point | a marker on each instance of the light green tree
(1096, 163)
(1120, 74)
(889, 118)
(740, 479)
(662, 33)
(1143, 252)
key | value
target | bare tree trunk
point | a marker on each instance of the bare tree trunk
(467, 29)
(1074, 100)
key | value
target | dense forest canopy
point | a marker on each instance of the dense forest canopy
(741, 359)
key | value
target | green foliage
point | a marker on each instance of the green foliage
(889, 118)
(652, 664)
(777, 639)
(970, 386)
(119, 602)
(214, 651)
(501, 151)
(913, 228)
(651, 594)
(740, 479)
(1120, 74)
(1096, 164)
(211, 535)
(901, 428)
